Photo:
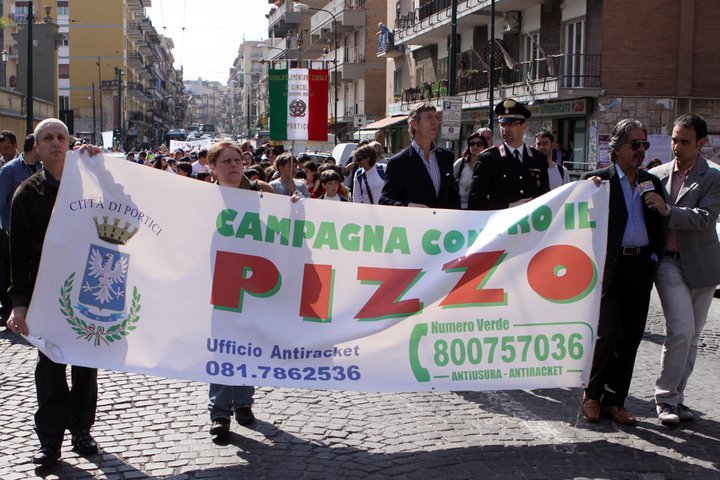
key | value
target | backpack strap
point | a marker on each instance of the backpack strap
(562, 173)
(381, 170)
(360, 173)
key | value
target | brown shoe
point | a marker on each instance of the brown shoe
(591, 409)
(619, 415)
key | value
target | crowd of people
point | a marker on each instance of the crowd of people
(661, 231)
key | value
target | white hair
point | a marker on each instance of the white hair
(46, 123)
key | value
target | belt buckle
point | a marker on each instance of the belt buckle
(630, 250)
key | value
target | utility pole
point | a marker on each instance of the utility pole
(118, 74)
(102, 125)
(452, 74)
(94, 136)
(491, 90)
(29, 97)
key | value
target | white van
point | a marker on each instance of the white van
(342, 152)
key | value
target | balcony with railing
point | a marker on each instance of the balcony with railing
(350, 14)
(556, 76)
(430, 22)
(135, 90)
(133, 31)
(351, 63)
(386, 45)
(283, 18)
(135, 60)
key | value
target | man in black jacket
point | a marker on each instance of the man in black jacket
(421, 175)
(59, 407)
(636, 242)
(511, 173)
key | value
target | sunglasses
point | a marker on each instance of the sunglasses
(635, 144)
(360, 158)
(473, 143)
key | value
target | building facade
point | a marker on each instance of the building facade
(246, 104)
(205, 102)
(339, 36)
(580, 64)
(114, 71)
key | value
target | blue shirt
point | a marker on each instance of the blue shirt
(635, 230)
(12, 174)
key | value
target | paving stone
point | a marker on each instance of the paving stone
(157, 428)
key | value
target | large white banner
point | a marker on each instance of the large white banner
(153, 273)
(190, 145)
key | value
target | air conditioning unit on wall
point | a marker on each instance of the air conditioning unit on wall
(512, 22)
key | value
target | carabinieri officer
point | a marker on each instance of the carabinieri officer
(512, 173)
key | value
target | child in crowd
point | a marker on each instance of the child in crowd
(330, 180)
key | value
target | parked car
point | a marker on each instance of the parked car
(317, 157)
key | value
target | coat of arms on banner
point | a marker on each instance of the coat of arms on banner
(100, 314)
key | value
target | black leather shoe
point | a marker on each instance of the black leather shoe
(244, 416)
(220, 426)
(47, 456)
(83, 443)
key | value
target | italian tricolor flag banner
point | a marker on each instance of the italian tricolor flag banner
(298, 104)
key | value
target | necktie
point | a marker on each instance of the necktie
(517, 156)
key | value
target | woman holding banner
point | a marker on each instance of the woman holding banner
(226, 164)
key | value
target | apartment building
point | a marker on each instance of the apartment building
(246, 104)
(341, 36)
(114, 71)
(580, 64)
(117, 57)
(205, 102)
(13, 66)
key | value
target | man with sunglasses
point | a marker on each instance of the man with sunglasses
(690, 269)
(511, 173)
(635, 243)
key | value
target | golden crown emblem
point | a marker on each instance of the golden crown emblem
(113, 232)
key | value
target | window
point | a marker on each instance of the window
(442, 69)
(63, 10)
(397, 83)
(531, 56)
(64, 70)
(574, 53)
(64, 102)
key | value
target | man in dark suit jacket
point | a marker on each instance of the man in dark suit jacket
(511, 173)
(421, 175)
(636, 241)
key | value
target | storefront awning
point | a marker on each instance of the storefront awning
(386, 122)
(364, 134)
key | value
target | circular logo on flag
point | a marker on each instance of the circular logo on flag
(297, 108)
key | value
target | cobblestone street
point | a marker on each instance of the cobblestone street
(151, 427)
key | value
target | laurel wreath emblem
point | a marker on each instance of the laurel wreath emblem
(97, 333)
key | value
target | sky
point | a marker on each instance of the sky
(214, 29)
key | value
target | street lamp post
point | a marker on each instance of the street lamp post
(299, 7)
(121, 140)
(94, 135)
(5, 56)
(102, 126)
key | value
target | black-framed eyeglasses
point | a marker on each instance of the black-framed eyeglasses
(474, 143)
(635, 144)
